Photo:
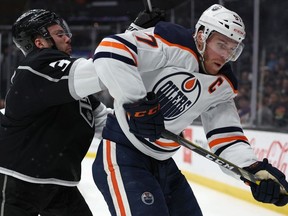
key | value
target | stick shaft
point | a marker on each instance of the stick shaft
(216, 159)
(148, 5)
(209, 155)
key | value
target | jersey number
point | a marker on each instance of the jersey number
(151, 41)
(64, 63)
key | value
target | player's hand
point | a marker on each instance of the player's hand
(147, 19)
(273, 186)
(145, 118)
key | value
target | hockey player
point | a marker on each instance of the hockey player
(165, 67)
(49, 121)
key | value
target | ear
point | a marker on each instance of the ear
(40, 42)
(200, 38)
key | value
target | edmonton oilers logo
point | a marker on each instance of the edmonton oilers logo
(147, 198)
(177, 93)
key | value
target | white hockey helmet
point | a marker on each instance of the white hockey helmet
(218, 18)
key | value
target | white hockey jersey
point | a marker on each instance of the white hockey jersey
(164, 60)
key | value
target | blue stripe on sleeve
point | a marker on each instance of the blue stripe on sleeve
(221, 149)
(223, 130)
(114, 56)
(125, 42)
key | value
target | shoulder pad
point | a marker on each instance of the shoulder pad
(226, 70)
(175, 34)
(50, 62)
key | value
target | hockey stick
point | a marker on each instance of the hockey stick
(163, 4)
(148, 5)
(216, 159)
(209, 155)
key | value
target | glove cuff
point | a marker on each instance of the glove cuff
(134, 27)
(257, 166)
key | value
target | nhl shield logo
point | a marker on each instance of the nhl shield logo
(147, 198)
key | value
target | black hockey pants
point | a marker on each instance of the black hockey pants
(20, 198)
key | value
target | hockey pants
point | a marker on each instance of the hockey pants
(134, 184)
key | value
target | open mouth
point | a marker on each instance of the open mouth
(218, 64)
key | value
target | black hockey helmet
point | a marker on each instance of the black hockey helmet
(34, 23)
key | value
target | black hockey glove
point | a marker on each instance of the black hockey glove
(145, 118)
(273, 186)
(147, 19)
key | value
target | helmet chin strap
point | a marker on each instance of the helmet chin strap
(202, 65)
(201, 52)
(53, 43)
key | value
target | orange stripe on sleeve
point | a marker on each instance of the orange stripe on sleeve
(114, 179)
(226, 139)
(118, 46)
(170, 144)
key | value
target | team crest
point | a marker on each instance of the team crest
(86, 111)
(177, 93)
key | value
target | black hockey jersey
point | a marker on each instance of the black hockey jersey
(45, 132)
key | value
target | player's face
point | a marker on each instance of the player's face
(61, 38)
(219, 50)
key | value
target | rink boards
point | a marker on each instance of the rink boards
(196, 168)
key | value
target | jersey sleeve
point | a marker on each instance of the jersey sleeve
(83, 79)
(225, 134)
(49, 78)
(120, 59)
(54, 70)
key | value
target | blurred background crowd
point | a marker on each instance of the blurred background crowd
(262, 69)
